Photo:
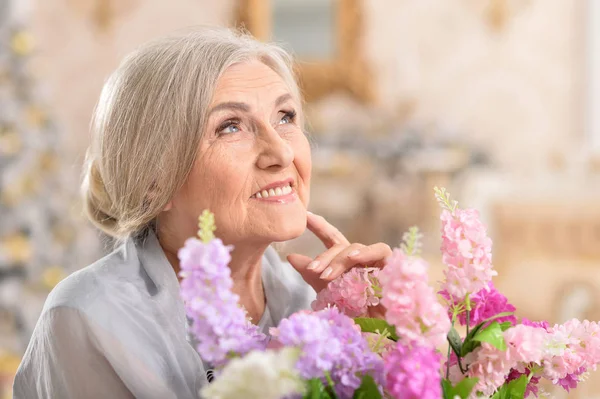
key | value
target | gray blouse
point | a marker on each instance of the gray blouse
(118, 329)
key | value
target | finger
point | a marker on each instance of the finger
(322, 261)
(341, 263)
(372, 255)
(325, 231)
(300, 263)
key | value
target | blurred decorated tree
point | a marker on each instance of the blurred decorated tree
(41, 227)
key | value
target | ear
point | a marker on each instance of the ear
(168, 207)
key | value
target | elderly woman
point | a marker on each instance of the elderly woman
(208, 119)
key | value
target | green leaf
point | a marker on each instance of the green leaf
(506, 325)
(469, 344)
(513, 390)
(493, 335)
(367, 390)
(372, 325)
(330, 388)
(465, 387)
(516, 388)
(462, 389)
(455, 341)
(315, 390)
(447, 389)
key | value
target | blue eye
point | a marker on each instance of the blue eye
(228, 127)
(288, 117)
(231, 129)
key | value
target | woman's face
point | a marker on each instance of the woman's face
(253, 166)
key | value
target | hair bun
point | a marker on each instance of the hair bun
(97, 202)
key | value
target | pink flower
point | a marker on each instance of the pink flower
(573, 349)
(524, 345)
(466, 250)
(490, 365)
(411, 304)
(413, 372)
(353, 292)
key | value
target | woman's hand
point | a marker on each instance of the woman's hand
(339, 257)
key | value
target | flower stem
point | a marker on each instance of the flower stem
(448, 362)
(468, 320)
(449, 351)
(468, 315)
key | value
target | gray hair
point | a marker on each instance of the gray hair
(150, 118)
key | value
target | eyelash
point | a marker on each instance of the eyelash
(290, 115)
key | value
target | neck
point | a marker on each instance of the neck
(246, 271)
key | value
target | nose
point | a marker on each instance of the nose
(274, 152)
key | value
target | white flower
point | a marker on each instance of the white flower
(267, 375)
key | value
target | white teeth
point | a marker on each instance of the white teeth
(274, 192)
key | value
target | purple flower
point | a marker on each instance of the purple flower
(218, 322)
(486, 303)
(413, 372)
(331, 343)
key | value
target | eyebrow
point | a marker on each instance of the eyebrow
(245, 107)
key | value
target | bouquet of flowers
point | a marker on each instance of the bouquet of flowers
(337, 351)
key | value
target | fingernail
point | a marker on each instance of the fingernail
(354, 253)
(313, 265)
(326, 273)
(309, 212)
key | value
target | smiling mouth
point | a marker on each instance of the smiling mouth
(274, 192)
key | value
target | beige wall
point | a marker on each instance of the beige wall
(75, 57)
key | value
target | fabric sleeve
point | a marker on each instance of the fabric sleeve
(67, 358)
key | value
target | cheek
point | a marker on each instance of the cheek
(222, 177)
(303, 161)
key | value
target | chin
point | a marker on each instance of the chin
(288, 229)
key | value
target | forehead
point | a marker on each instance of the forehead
(249, 78)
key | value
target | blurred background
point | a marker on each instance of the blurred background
(494, 99)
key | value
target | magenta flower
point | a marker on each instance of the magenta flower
(486, 303)
(571, 380)
(538, 324)
(413, 372)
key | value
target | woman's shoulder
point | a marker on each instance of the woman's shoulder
(87, 288)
